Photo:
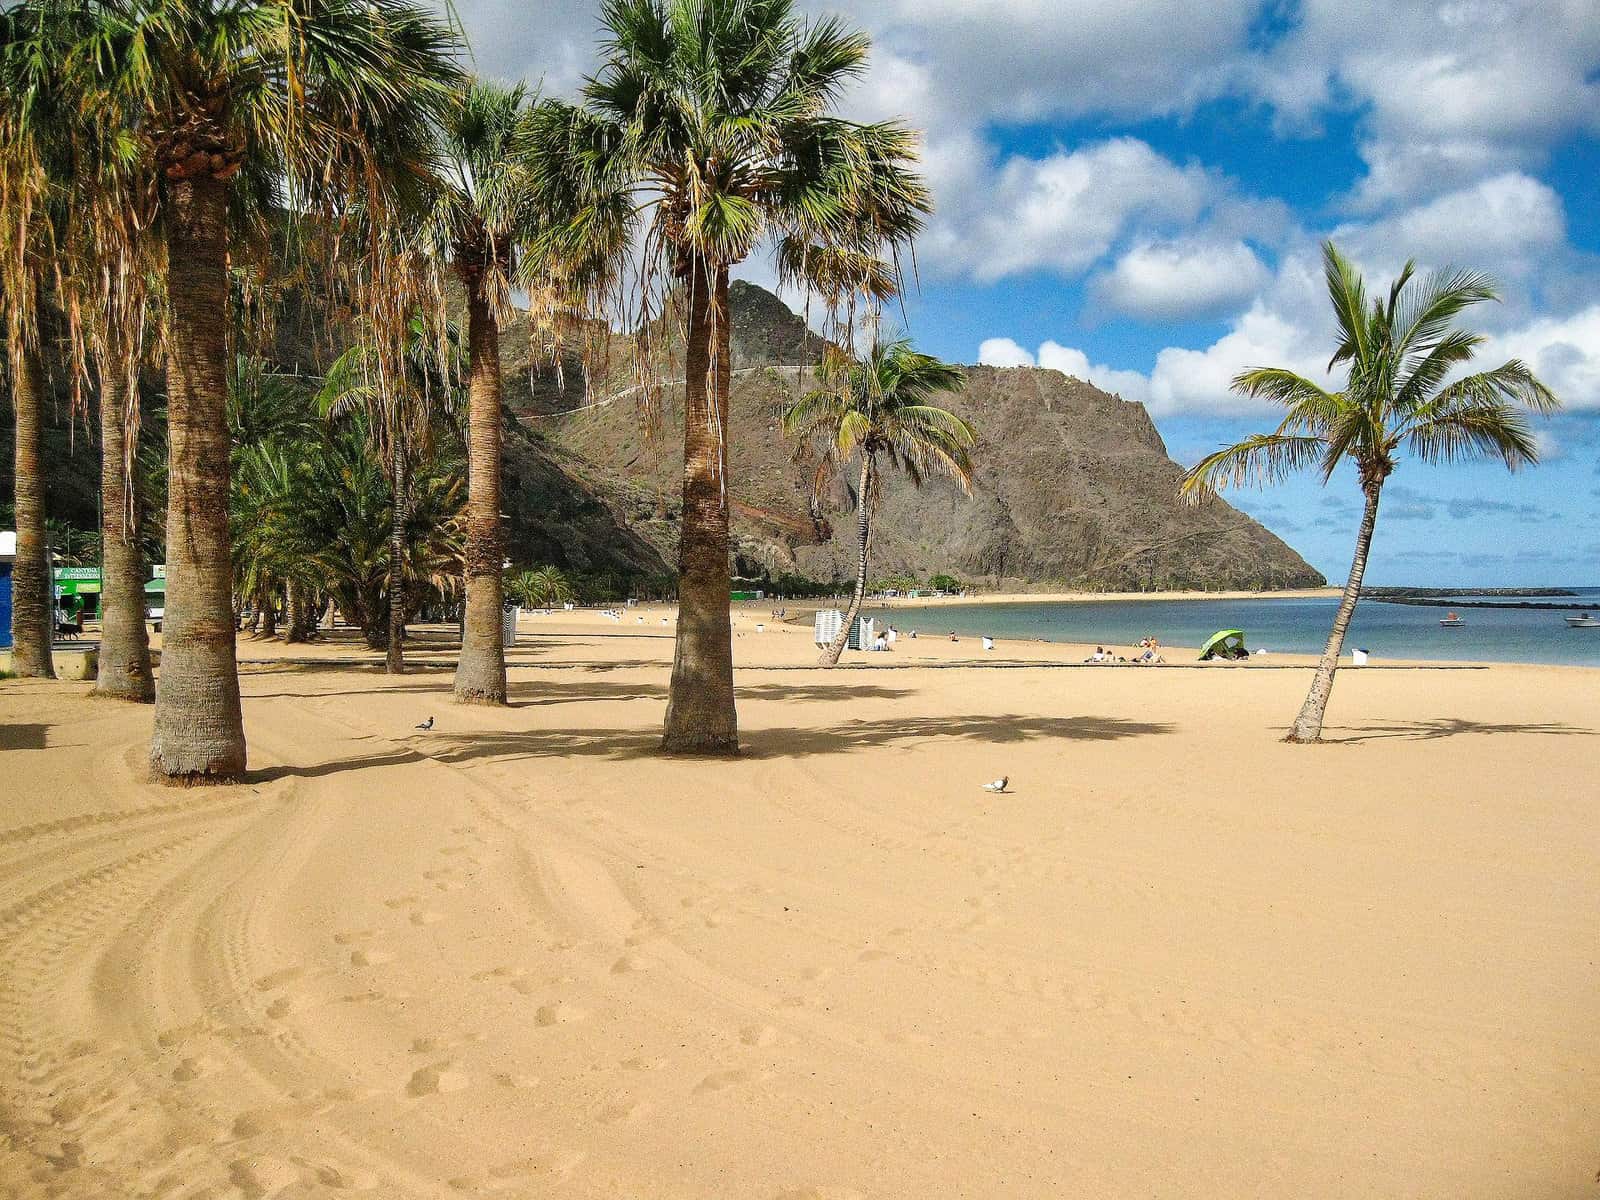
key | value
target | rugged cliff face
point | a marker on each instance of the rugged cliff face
(1073, 486)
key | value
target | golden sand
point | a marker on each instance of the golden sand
(523, 955)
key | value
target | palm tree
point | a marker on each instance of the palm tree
(406, 408)
(229, 99)
(482, 220)
(1400, 353)
(125, 672)
(709, 123)
(877, 410)
(35, 120)
(32, 611)
(541, 587)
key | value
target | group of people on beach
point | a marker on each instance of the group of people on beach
(1148, 651)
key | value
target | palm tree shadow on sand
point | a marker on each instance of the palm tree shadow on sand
(842, 738)
(1446, 727)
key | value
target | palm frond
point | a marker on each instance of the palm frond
(1258, 460)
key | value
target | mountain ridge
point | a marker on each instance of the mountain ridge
(1084, 494)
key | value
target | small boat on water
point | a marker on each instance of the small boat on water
(1583, 622)
(1451, 621)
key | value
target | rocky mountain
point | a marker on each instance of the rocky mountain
(1073, 487)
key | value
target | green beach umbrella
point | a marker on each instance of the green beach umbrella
(1221, 639)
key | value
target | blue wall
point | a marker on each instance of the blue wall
(5, 605)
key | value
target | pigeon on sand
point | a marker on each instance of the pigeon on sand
(428, 724)
(999, 785)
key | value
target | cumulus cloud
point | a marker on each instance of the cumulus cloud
(1562, 351)
(1181, 279)
(1449, 89)
(1508, 224)
(1065, 211)
(1003, 352)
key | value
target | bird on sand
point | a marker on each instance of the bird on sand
(428, 724)
(999, 785)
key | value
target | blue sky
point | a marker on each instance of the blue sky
(1134, 192)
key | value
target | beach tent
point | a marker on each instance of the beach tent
(1225, 643)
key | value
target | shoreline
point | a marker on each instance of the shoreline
(1329, 593)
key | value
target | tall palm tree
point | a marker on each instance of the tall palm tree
(878, 410)
(482, 220)
(229, 97)
(709, 122)
(1400, 353)
(36, 123)
(125, 672)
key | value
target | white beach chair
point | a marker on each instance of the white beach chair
(1358, 658)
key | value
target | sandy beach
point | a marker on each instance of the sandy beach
(521, 954)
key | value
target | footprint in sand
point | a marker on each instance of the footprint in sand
(258, 1121)
(282, 1007)
(402, 901)
(278, 978)
(370, 958)
(262, 1175)
(441, 1077)
(352, 937)
(507, 1079)
(623, 1109)
(426, 916)
(558, 1014)
(346, 1179)
(758, 1035)
(643, 1064)
(721, 1081)
(632, 962)
(168, 1038)
(191, 1069)
(556, 1164)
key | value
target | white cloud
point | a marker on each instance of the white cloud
(1003, 352)
(1448, 90)
(1563, 351)
(1185, 278)
(1130, 385)
(1064, 212)
(1510, 224)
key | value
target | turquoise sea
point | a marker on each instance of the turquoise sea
(1296, 626)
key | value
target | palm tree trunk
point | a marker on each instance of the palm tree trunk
(700, 705)
(395, 660)
(294, 613)
(864, 500)
(32, 594)
(268, 604)
(1308, 725)
(481, 671)
(124, 645)
(199, 726)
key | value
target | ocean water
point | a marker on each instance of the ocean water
(1292, 626)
